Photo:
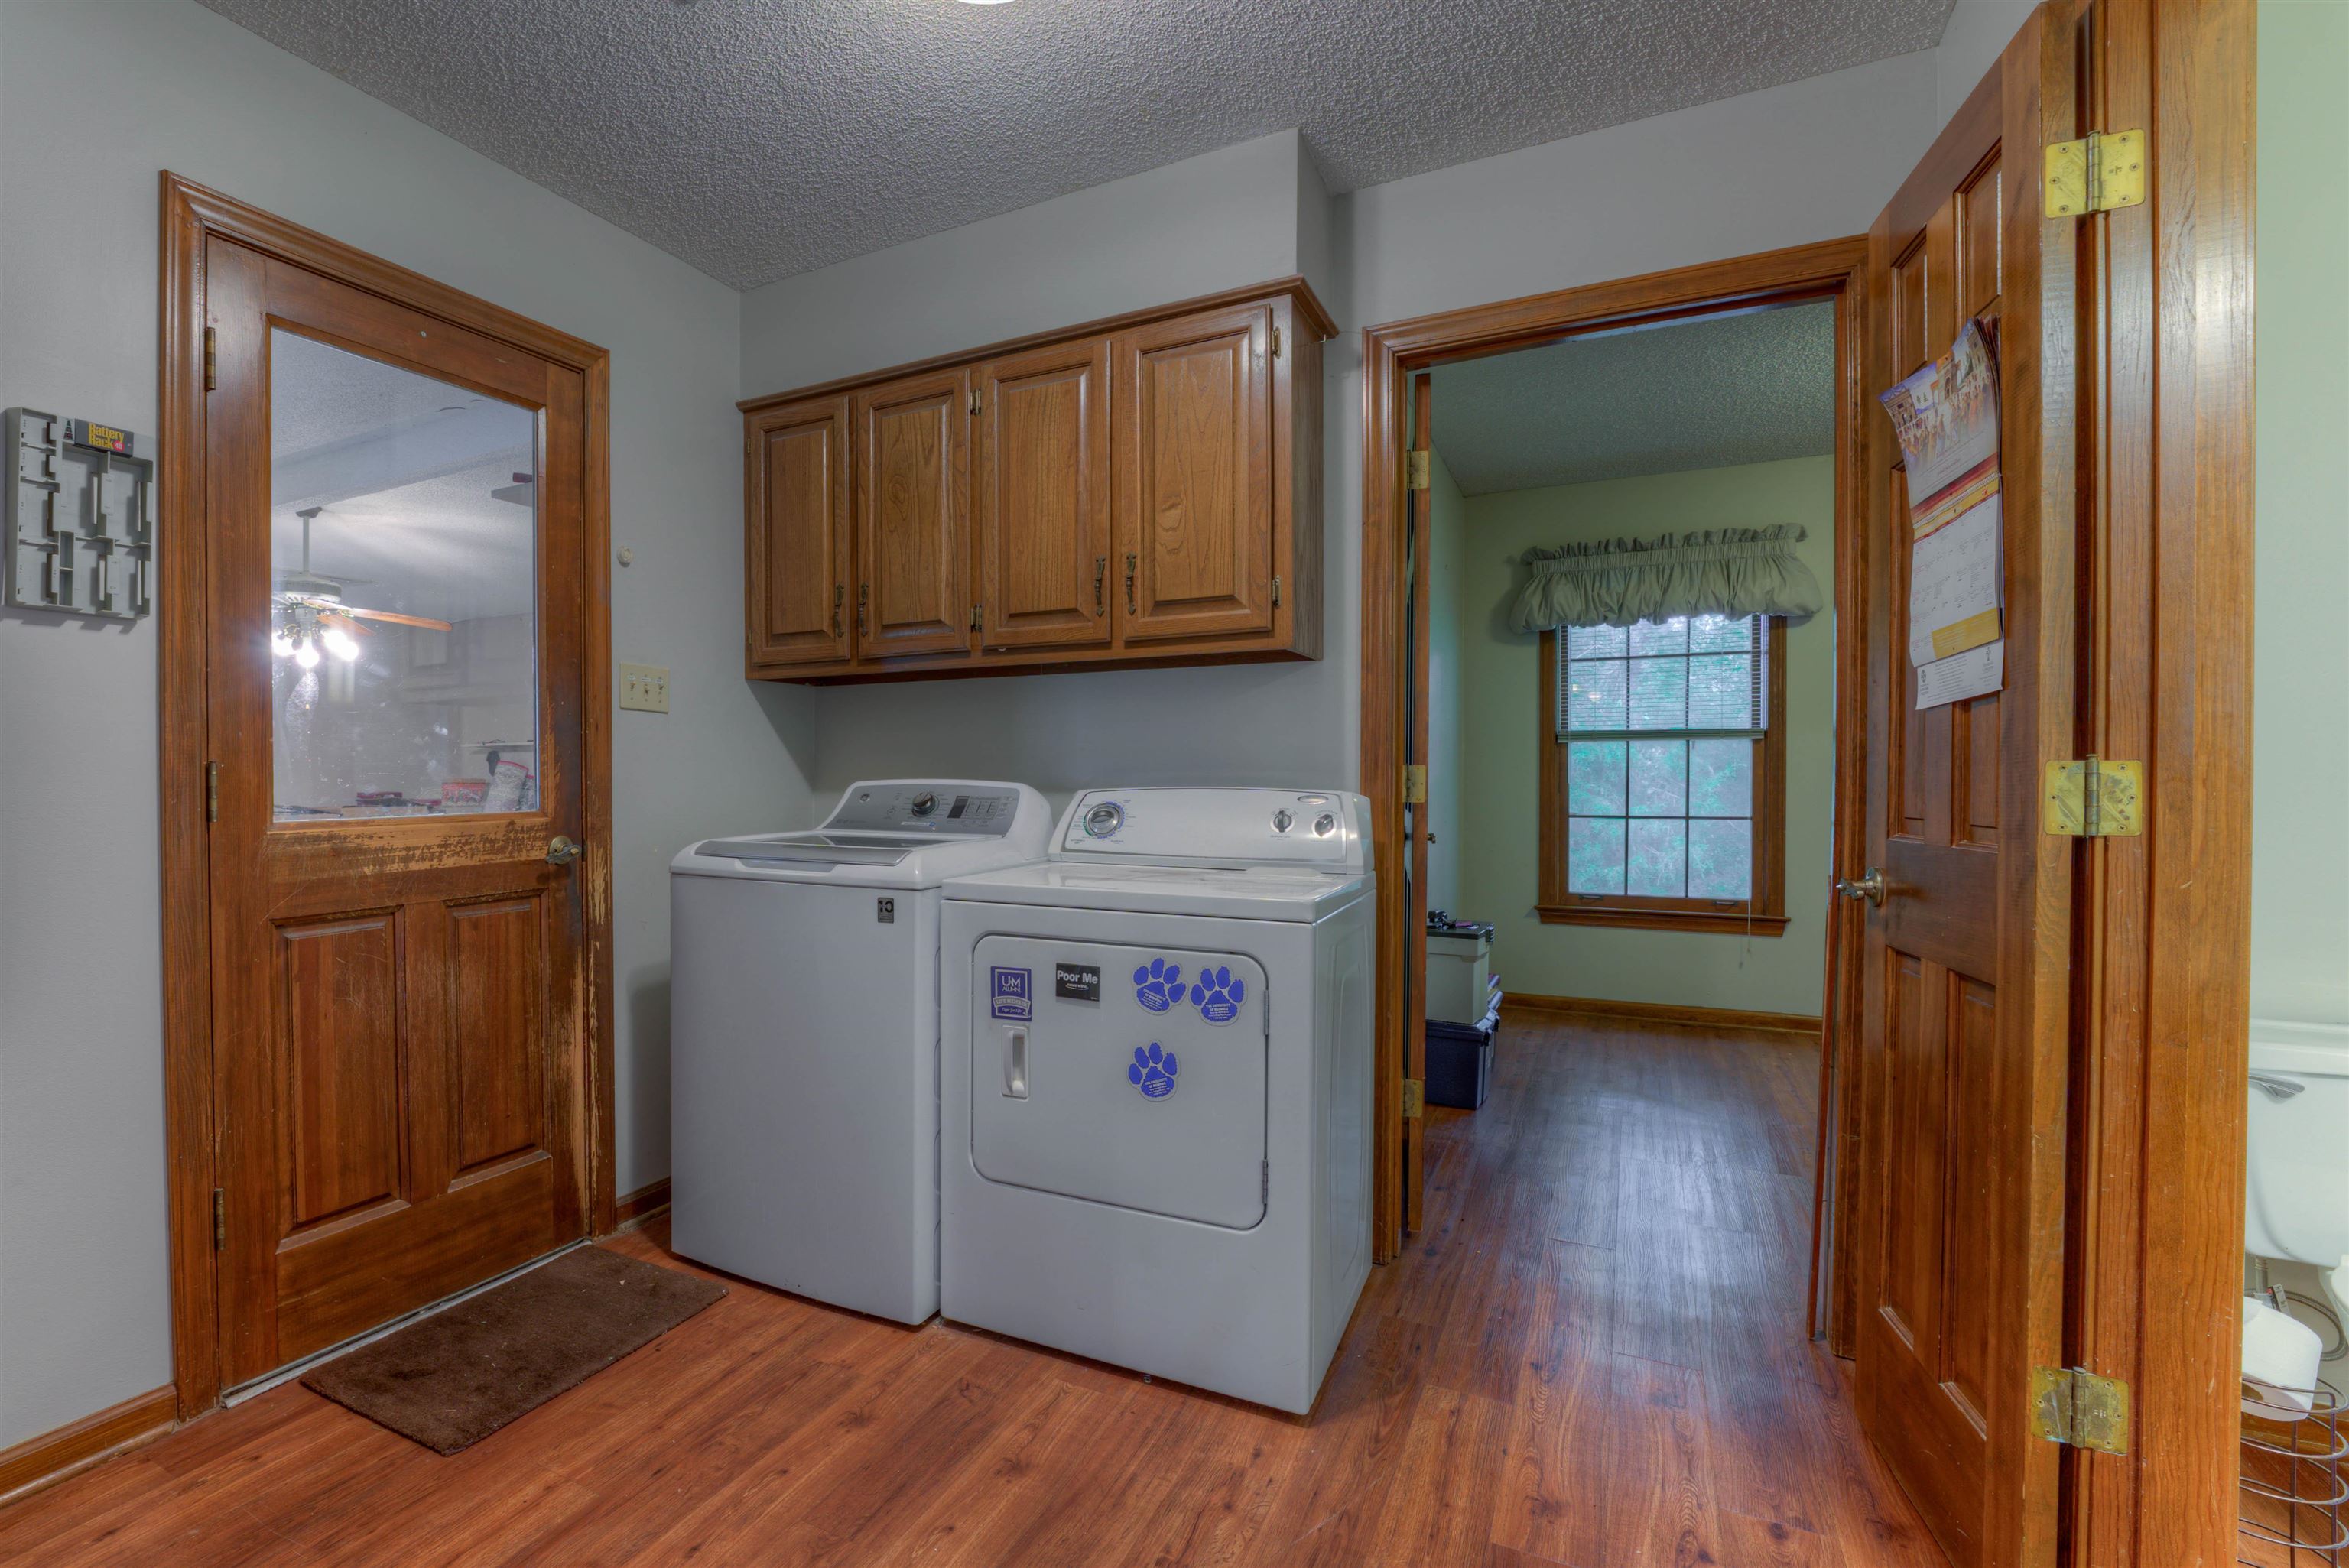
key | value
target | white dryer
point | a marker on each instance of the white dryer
(1157, 1076)
(804, 1039)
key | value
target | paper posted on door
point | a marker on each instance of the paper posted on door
(1955, 584)
(1946, 417)
(1974, 673)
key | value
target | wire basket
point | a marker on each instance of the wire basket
(2294, 1494)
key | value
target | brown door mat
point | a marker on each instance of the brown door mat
(453, 1378)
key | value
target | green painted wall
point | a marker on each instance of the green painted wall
(1498, 686)
(2300, 711)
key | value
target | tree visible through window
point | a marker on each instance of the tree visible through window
(1666, 809)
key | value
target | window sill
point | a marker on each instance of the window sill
(1702, 920)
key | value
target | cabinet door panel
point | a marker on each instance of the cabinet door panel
(1040, 495)
(913, 517)
(798, 536)
(1195, 475)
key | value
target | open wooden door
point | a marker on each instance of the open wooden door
(1965, 978)
(1419, 531)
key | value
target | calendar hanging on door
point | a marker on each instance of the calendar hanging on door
(1946, 417)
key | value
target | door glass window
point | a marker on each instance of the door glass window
(403, 604)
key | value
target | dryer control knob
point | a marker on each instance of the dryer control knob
(1325, 824)
(925, 803)
(1281, 822)
(1105, 819)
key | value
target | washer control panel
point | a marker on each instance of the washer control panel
(916, 805)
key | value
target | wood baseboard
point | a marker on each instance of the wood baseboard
(53, 1456)
(641, 1204)
(1662, 1013)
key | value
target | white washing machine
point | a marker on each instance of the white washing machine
(1157, 1076)
(804, 1039)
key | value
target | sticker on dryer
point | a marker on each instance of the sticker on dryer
(1218, 994)
(1153, 1071)
(1076, 982)
(1158, 984)
(1012, 991)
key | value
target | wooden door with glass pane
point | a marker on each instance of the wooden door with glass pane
(395, 593)
(1965, 1027)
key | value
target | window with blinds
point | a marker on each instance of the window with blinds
(1663, 722)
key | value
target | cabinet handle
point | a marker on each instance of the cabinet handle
(1101, 594)
(839, 596)
(863, 592)
(1129, 584)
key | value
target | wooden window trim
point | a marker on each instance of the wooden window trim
(1765, 915)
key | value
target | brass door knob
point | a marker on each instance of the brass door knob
(562, 851)
(1870, 887)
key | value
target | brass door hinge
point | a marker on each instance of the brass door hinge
(1276, 343)
(1414, 1098)
(212, 359)
(975, 616)
(2102, 171)
(212, 791)
(219, 1218)
(1417, 471)
(2093, 798)
(1414, 784)
(976, 401)
(1276, 591)
(2074, 1406)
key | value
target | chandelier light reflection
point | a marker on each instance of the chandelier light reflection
(301, 632)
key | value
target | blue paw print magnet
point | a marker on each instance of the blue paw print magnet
(1153, 1071)
(1158, 984)
(1217, 995)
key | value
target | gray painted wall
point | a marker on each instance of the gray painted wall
(1807, 161)
(83, 1314)
(96, 97)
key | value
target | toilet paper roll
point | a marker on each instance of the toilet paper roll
(2280, 1357)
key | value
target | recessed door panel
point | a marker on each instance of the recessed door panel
(1149, 1095)
(339, 991)
(912, 508)
(1195, 475)
(1039, 479)
(799, 608)
(496, 966)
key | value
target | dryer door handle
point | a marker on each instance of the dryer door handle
(1015, 1062)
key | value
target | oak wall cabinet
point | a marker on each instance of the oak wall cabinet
(1142, 490)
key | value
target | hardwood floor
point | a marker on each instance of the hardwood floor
(1593, 1356)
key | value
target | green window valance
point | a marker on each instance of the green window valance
(1712, 572)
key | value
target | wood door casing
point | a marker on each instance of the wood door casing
(799, 558)
(1417, 604)
(1964, 1042)
(913, 516)
(1194, 486)
(397, 1003)
(1041, 498)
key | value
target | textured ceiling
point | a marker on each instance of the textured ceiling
(1704, 394)
(756, 138)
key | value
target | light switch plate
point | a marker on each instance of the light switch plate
(645, 687)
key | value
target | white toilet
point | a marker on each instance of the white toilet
(2296, 1199)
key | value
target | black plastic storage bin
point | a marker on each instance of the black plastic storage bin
(1460, 1060)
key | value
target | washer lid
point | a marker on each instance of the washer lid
(948, 828)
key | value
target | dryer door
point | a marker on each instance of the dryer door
(1131, 1076)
